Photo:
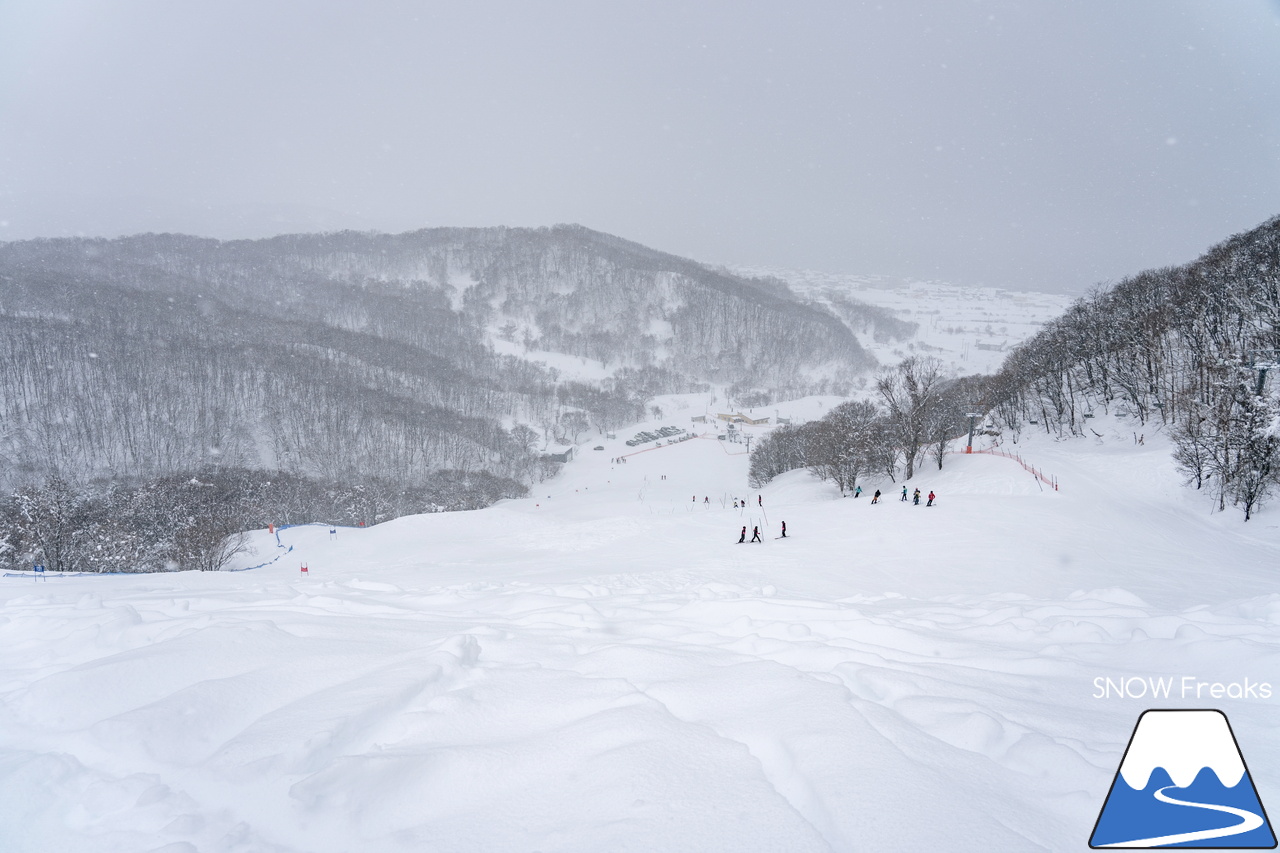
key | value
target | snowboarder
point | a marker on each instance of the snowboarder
(916, 497)
(743, 537)
(784, 530)
(931, 496)
(876, 497)
(904, 494)
(755, 535)
(857, 491)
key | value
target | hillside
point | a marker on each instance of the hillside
(969, 329)
(1192, 349)
(370, 355)
(599, 667)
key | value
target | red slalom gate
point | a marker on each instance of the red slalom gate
(1050, 481)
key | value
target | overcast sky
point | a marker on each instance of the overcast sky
(1033, 145)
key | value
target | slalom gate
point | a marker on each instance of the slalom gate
(1047, 479)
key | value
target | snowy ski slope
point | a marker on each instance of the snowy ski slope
(599, 667)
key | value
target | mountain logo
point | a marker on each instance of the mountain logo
(1183, 783)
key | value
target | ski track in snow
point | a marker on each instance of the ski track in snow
(595, 668)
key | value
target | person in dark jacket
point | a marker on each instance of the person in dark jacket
(743, 537)
(784, 530)
(876, 497)
(755, 534)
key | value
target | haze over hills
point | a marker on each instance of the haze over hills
(163, 383)
(390, 355)
(969, 329)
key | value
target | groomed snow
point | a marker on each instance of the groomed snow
(600, 666)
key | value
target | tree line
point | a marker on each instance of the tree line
(195, 521)
(1192, 348)
(351, 358)
(917, 410)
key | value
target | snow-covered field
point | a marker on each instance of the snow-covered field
(969, 329)
(601, 668)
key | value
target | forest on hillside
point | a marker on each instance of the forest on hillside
(914, 413)
(1194, 348)
(356, 360)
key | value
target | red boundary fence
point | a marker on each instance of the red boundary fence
(1047, 479)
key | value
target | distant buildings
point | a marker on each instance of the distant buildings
(739, 418)
(558, 454)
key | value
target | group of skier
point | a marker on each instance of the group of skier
(915, 498)
(738, 503)
(857, 492)
(755, 534)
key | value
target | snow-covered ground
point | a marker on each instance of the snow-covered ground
(969, 329)
(601, 668)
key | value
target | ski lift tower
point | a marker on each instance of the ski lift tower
(973, 419)
(1262, 361)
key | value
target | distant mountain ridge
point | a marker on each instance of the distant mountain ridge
(358, 354)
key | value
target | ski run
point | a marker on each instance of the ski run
(595, 668)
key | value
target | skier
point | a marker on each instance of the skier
(755, 535)
(784, 530)
(759, 500)
(931, 496)
(857, 491)
(916, 497)
(876, 497)
(735, 503)
(904, 494)
(743, 537)
(706, 499)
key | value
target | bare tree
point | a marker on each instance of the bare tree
(912, 394)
